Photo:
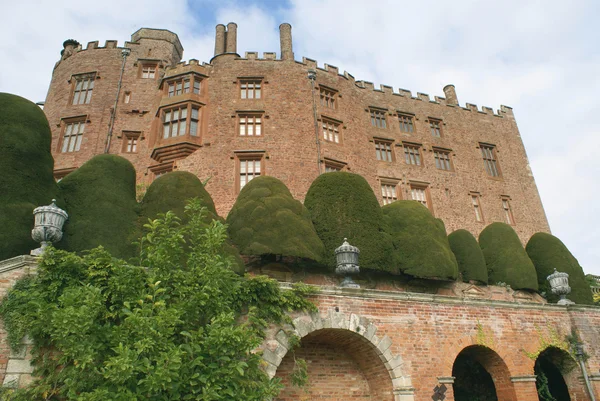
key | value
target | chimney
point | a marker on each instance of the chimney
(220, 39)
(231, 38)
(285, 39)
(450, 93)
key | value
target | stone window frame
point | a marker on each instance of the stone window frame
(189, 120)
(409, 156)
(509, 216)
(254, 114)
(406, 127)
(75, 96)
(149, 70)
(439, 162)
(160, 169)
(126, 97)
(328, 97)
(61, 173)
(329, 128)
(491, 165)
(242, 157)
(176, 85)
(244, 90)
(66, 126)
(436, 127)
(386, 154)
(414, 186)
(390, 190)
(477, 206)
(131, 140)
(332, 165)
(378, 117)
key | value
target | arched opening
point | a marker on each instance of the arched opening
(481, 375)
(342, 365)
(553, 368)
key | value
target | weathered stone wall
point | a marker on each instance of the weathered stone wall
(288, 131)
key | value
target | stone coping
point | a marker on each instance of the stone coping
(439, 299)
(17, 262)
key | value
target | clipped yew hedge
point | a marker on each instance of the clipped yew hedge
(100, 200)
(170, 192)
(27, 165)
(548, 253)
(421, 248)
(471, 263)
(343, 205)
(506, 259)
(267, 220)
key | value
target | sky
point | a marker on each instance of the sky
(540, 57)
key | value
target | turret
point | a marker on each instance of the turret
(450, 94)
(155, 39)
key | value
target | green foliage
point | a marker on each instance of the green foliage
(343, 205)
(267, 220)
(100, 200)
(548, 253)
(27, 179)
(421, 248)
(472, 382)
(170, 192)
(469, 257)
(181, 326)
(506, 259)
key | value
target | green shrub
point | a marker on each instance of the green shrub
(506, 259)
(548, 253)
(171, 192)
(100, 200)
(343, 205)
(421, 248)
(267, 220)
(27, 179)
(471, 263)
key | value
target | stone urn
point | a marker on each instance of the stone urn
(347, 264)
(559, 285)
(49, 221)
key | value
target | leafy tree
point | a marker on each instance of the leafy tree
(181, 326)
(343, 205)
(171, 191)
(506, 259)
(100, 200)
(548, 253)
(471, 263)
(27, 179)
(421, 248)
(267, 220)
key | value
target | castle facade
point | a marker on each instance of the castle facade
(236, 117)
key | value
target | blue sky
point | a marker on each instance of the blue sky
(540, 57)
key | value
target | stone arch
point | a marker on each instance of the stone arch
(352, 330)
(557, 361)
(494, 365)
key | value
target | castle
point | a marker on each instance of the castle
(238, 117)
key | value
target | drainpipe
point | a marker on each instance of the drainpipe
(312, 75)
(579, 352)
(124, 53)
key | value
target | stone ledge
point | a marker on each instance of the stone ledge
(523, 379)
(18, 262)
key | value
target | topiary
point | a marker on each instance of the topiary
(27, 166)
(100, 199)
(343, 205)
(421, 248)
(267, 220)
(171, 192)
(548, 253)
(471, 263)
(506, 259)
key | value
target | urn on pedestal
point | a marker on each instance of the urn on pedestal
(559, 285)
(49, 221)
(347, 263)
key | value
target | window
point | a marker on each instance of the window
(412, 154)
(476, 202)
(328, 97)
(84, 86)
(130, 142)
(184, 85)
(161, 169)
(489, 160)
(250, 88)
(436, 128)
(333, 165)
(249, 167)
(383, 150)
(406, 123)
(442, 159)
(420, 193)
(177, 120)
(378, 118)
(508, 214)
(331, 131)
(388, 193)
(250, 124)
(149, 71)
(127, 97)
(73, 134)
